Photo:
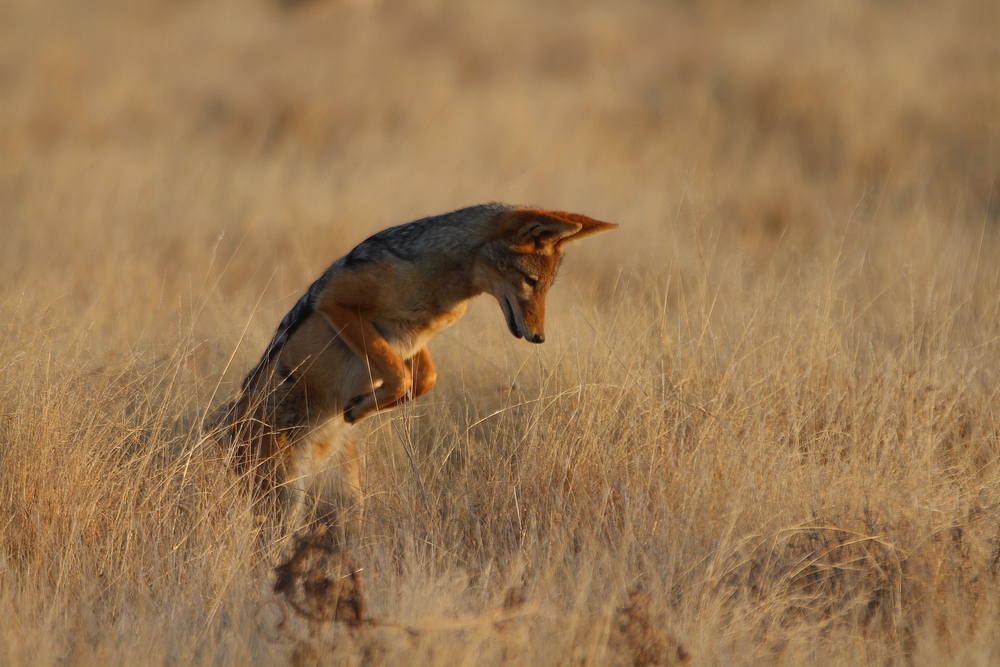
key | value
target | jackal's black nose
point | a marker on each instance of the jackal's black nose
(538, 338)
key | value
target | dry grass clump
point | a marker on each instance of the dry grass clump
(320, 582)
(633, 633)
(763, 427)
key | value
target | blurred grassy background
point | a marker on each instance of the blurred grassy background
(769, 397)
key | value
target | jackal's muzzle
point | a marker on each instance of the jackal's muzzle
(515, 327)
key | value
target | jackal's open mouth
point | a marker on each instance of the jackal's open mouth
(511, 322)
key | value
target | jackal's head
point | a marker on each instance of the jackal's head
(519, 263)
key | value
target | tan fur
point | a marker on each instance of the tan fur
(356, 343)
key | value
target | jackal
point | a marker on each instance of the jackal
(356, 342)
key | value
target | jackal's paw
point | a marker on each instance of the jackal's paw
(351, 412)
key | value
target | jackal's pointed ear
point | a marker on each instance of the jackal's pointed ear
(544, 233)
(588, 226)
(546, 229)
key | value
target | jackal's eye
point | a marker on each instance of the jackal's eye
(532, 282)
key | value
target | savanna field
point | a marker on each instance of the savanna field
(764, 426)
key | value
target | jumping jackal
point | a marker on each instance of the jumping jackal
(356, 342)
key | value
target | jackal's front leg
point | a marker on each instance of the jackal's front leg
(422, 376)
(383, 361)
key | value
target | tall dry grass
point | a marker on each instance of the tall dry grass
(764, 421)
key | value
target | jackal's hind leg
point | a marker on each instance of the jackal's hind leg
(335, 494)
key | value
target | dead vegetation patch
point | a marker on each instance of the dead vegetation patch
(324, 612)
(637, 640)
(320, 582)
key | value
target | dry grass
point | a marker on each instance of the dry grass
(764, 423)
